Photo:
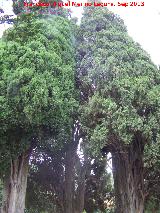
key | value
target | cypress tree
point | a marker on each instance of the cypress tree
(36, 97)
(120, 101)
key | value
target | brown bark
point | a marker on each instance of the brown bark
(69, 178)
(80, 192)
(15, 185)
(80, 195)
(128, 177)
(70, 161)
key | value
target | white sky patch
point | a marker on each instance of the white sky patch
(7, 7)
(109, 163)
(80, 151)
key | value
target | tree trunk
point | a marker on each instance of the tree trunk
(80, 195)
(80, 192)
(128, 178)
(15, 185)
(69, 178)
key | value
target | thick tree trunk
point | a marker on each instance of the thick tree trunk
(70, 160)
(15, 185)
(80, 195)
(69, 178)
(80, 192)
(128, 178)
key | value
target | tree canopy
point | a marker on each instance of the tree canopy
(119, 78)
(37, 78)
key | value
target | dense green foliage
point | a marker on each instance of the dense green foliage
(120, 83)
(37, 82)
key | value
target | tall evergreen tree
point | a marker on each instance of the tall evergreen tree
(37, 97)
(120, 91)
